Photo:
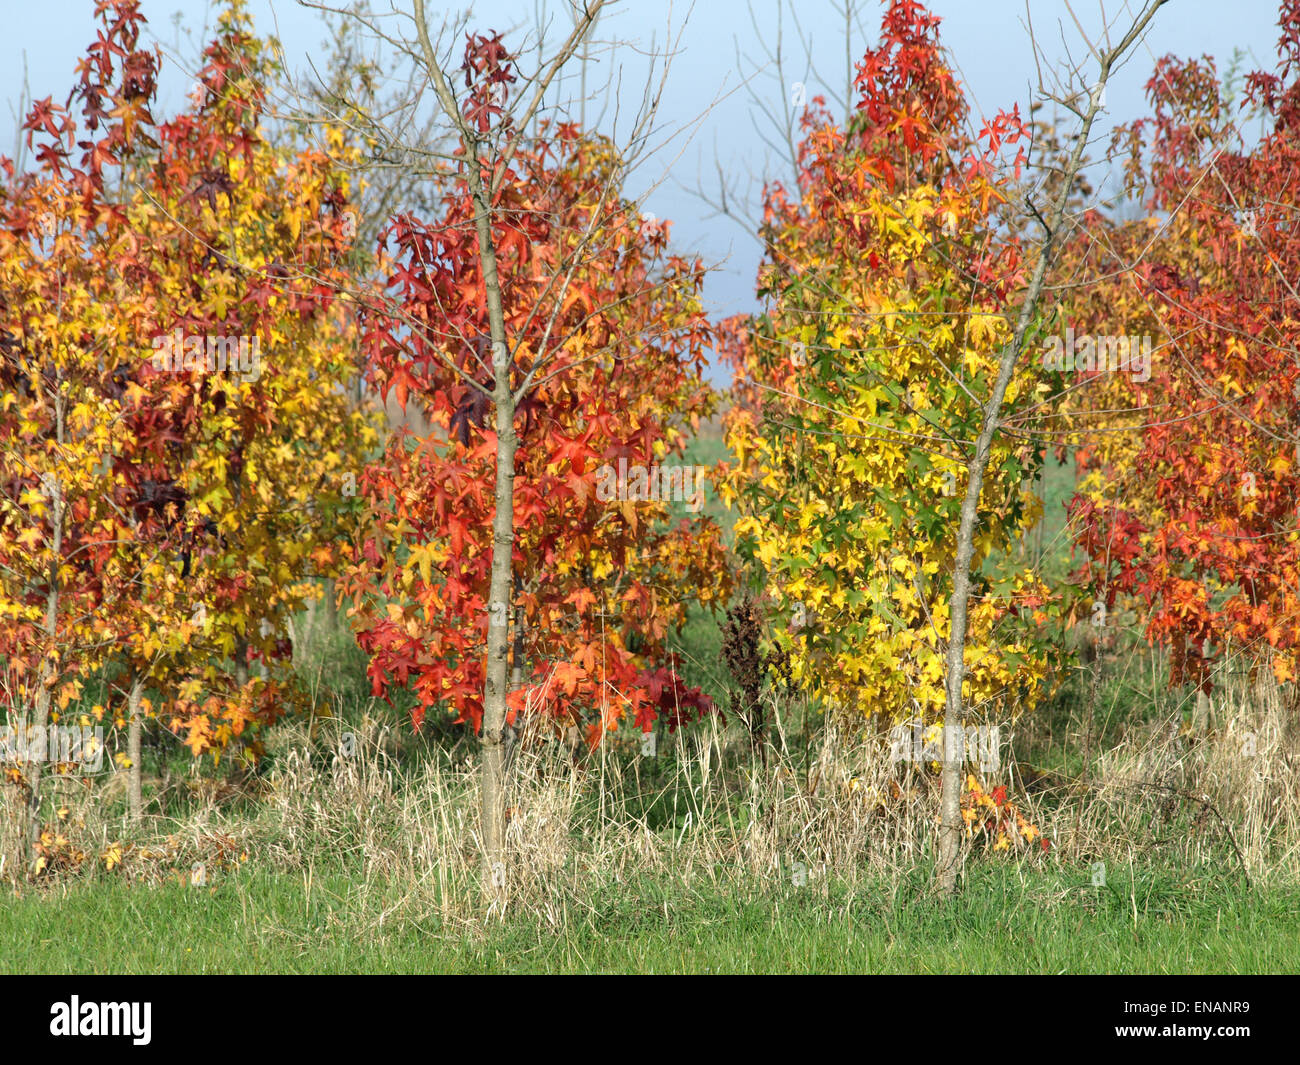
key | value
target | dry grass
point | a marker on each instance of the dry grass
(1223, 790)
(705, 815)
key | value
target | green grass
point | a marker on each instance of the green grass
(1004, 922)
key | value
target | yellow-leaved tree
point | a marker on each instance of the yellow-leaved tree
(861, 391)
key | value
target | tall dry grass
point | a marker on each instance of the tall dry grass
(1224, 790)
(704, 815)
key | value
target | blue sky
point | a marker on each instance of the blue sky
(988, 39)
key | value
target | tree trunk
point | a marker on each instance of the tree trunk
(950, 829)
(503, 399)
(516, 669)
(36, 760)
(1201, 715)
(134, 731)
(503, 540)
(309, 631)
(330, 601)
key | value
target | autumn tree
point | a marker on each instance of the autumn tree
(544, 327)
(242, 247)
(65, 315)
(1083, 96)
(902, 304)
(182, 416)
(1187, 500)
(598, 579)
(887, 287)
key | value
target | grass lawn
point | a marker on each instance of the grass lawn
(1007, 921)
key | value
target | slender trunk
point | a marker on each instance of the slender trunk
(308, 631)
(498, 662)
(1201, 715)
(503, 539)
(516, 668)
(1094, 700)
(241, 662)
(1092, 660)
(36, 759)
(47, 676)
(517, 646)
(503, 399)
(134, 732)
(950, 829)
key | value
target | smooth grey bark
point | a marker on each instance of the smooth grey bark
(492, 773)
(134, 732)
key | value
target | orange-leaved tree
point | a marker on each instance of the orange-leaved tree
(602, 568)
(1188, 496)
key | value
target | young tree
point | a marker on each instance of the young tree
(934, 322)
(1085, 101)
(163, 497)
(242, 253)
(545, 330)
(1188, 495)
(887, 278)
(624, 378)
(65, 312)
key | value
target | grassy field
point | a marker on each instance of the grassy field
(1005, 922)
(662, 868)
